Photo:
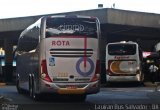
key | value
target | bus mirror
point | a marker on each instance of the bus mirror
(14, 52)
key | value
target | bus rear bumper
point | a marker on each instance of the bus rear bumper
(69, 88)
(122, 78)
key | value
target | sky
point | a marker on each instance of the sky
(22, 8)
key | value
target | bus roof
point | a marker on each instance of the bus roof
(123, 42)
(70, 16)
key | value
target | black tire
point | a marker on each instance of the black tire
(142, 77)
(35, 96)
(108, 84)
(30, 88)
(20, 91)
(82, 98)
(78, 98)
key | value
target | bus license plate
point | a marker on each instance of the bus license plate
(71, 87)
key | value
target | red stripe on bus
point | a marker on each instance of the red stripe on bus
(85, 47)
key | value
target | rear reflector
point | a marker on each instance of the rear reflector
(44, 72)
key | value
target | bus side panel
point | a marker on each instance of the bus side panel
(41, 55)
(35, 70)
(24, 65)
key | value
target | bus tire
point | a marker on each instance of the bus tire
(35, 96)
(30, 87)
(142, 78)
(78, 98)
(108, 84)
(141, 82)
(20, 91)
(82, 98)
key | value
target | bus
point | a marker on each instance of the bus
(123, 62)
(59, 54)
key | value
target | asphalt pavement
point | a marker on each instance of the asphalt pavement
(119, 94)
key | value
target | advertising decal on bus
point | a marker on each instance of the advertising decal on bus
(88, 71)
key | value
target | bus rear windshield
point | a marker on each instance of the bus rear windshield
(122, 49)
(71, 27)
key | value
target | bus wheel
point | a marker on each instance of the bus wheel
(141, 79)
(30, 87)
(82, 98)
(78, 98)
(20, 91)
(108, 84)
(35, 96)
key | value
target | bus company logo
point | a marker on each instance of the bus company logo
(60, 43)
(75, 27)
(81, 72)
(121, 57)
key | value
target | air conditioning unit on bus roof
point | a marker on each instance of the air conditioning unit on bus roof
(126, 42)
(122, 41)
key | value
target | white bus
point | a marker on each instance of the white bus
(59, 54)
(123, 62)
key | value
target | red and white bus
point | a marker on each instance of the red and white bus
(123, 62)
(59, 54)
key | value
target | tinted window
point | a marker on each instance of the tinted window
(71, 27)
(29, 39)
(122, 49)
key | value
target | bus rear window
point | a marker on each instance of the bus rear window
(122, 49)
(71, 27)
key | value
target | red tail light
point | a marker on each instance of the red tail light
(97, 72)
(44, 72)
(109, 72)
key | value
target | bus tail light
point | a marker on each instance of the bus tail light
(97, 72)
(109, 72)
(44, 72)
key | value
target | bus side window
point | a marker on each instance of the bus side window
(34, 37)
(29, 40)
